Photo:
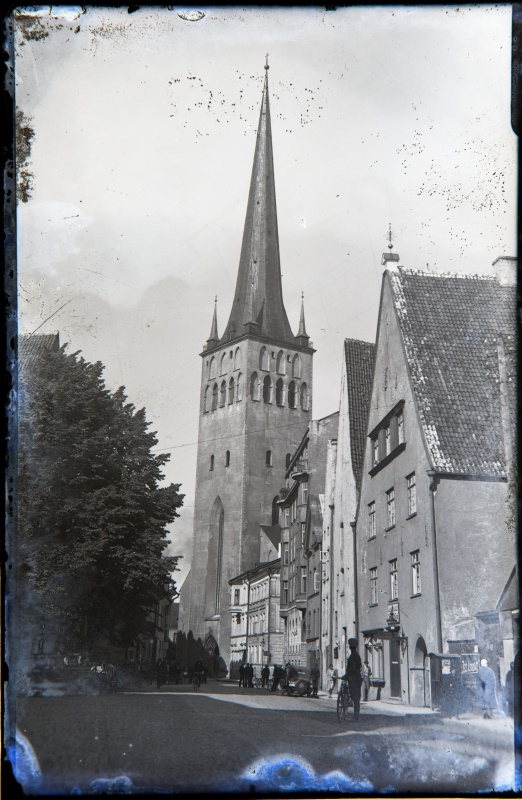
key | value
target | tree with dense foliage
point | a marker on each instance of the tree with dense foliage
(92, 513)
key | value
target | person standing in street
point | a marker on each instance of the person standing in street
(314, 676)
(367, 674)
(265, 675)
(242, 675)
(487, 689)
(354, 677)
(331, 675)
(276, 677)
(509, 694)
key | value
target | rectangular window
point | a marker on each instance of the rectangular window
(285, 554)
(387, 440)
(316, 580)
(303, 534)
(304, 492)
(371, 520)
(285, 592)
(412, 494)
(390, 504)
(415, 572)
(375, 451)
(287, 518)
(373, 586)
(294, 511)
(394, 580)
(236, 597)
(400, 427)
(303, 580)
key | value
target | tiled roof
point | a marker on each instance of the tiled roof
(453, 326)
(359, 357)
(33, 346)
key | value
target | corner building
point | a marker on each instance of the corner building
(256, 397)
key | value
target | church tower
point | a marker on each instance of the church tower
(255, 404)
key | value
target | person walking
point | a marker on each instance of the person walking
(487, 689)
(367, 674)
(277, 674)
(160, 673)
(354, 677)
(331, 675)
(242, 675)
(249, 674)
(314, 677)
(265, 675)
(509, 694)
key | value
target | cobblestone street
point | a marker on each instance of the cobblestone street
(226, 738)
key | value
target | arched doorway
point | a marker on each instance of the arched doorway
(211, 655)
(419, 675)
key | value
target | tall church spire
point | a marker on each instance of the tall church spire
(258, 289)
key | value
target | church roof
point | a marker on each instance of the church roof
(453, 327)
(359, 358)
(258, 306)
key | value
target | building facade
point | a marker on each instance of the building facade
(256, 386)
(434, 547)
(301, 520)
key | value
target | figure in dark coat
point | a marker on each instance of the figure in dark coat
(354, 677)
(487, 689)
(314, 677)
(276, 677)
(242, 675)
(265, 675)
(249, 674)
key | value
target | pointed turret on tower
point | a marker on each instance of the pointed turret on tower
(213, 339)
(387, 257)
(302, 336)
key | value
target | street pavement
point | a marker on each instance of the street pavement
(226, 738)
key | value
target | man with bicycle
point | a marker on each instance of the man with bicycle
(354, 677)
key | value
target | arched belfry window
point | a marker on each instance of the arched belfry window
(212, 368)
(214, 397)
(263, 358)
(206, 400)
(254, 386)
(227, 458)
(280, 363)
(211, 465)
(291, 394)
(296, 366)
(239, 389)
(231, 390)
(280, 392)
(268, 458)
(223, 364)
(275, 510)
(223, 393)
(237, 358)
(304, 396)
(267, 390)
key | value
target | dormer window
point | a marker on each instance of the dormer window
(387, 439)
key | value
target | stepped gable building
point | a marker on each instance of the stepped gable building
(435, 543)
(343, 484)
(256, 396)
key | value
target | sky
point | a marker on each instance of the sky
(145, 130)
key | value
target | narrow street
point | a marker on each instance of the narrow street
(230, 739)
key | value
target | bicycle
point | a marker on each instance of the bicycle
(257, 683)
(344, 701)
(197, 681)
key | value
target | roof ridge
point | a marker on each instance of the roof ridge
(449, 274)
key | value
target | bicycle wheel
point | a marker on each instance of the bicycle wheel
(341, 708)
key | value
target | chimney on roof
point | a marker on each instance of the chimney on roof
(506, 270)
(389, 257)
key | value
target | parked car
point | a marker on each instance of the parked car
(296, 681)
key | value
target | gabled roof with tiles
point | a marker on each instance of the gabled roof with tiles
(453, 328)
(359, 358)
(32, 347)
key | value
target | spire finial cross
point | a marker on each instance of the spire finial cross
(266, 62)
(390, 244)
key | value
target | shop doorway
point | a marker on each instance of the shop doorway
(395, 668)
